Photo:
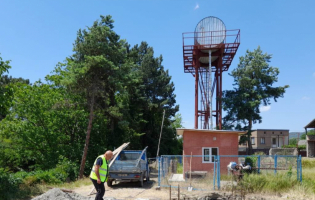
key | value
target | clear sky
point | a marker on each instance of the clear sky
(36, 35)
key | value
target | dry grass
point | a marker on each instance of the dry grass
(69, 186)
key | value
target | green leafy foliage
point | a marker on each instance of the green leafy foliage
(15, 185)
(293, 141)
(252, 160)
(253, 80)
(300, 147)
(310, 132)
(115, 92)
(41, 126)
(8, 184)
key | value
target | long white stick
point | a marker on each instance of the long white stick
(157, 153)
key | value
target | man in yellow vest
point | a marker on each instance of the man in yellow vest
(99, 173)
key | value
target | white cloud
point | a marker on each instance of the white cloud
(196, 7)
(264, 108)
(305, 98)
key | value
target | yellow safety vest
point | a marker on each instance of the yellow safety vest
(103, 170)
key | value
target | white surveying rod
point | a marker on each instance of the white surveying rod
(157, 153)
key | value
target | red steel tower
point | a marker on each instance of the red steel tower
(207, 53)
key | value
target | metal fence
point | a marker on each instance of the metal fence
(199, 172)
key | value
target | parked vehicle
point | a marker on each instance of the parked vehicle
(130, 166)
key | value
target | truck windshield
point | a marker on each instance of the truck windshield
(129, 156)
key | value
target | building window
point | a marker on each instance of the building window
(280, 132)
(274, 141)
(265, 132)
(253, 140)
(208, 154)
(273, 132)
(262, 140)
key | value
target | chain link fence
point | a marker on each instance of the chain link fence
(208, 173)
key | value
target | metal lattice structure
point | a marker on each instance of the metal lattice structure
(209, 50)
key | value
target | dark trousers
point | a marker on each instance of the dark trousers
(100, 188)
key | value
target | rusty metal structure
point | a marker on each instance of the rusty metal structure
(207, 53)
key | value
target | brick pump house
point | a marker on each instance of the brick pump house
(202, 142)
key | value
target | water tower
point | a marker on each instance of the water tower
(208, 52)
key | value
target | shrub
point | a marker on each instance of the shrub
(13, 185)
(70, 168)
(301, 147)
(9, 185)
(252, 162)
(259, 153)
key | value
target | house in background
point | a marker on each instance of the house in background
(206, 144)
(310, 145)
(264, 139)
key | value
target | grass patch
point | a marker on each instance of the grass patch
(285, 182)
(71, 185)
(308, 163)
(179, 168)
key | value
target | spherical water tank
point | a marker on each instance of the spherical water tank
(210, 30)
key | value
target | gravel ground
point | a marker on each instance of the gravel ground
(57, 194)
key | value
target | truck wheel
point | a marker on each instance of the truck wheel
(110, 183)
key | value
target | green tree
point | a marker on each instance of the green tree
(42, 126)
(253, 81)
(6, 92)
(93, 69)
(293, 141)
(155, 93)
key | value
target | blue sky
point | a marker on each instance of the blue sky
(36, 35)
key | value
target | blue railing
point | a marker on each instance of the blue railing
(164, 163)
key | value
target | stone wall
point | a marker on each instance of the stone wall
(283, 151)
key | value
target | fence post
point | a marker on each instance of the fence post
(214, 173)
(219, 172)
(297, 168)
(258, 164)
(300, 168)
(276, 157)
(159, 172)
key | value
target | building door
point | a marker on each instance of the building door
(274, 142)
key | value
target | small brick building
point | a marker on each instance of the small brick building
(208, 143)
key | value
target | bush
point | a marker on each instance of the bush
(13, 185)
(259, 153)
(64, 169)
(293, 141)
(301, 147)
(9, 185)
(252, 162)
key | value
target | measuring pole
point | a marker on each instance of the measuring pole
(157, 153)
